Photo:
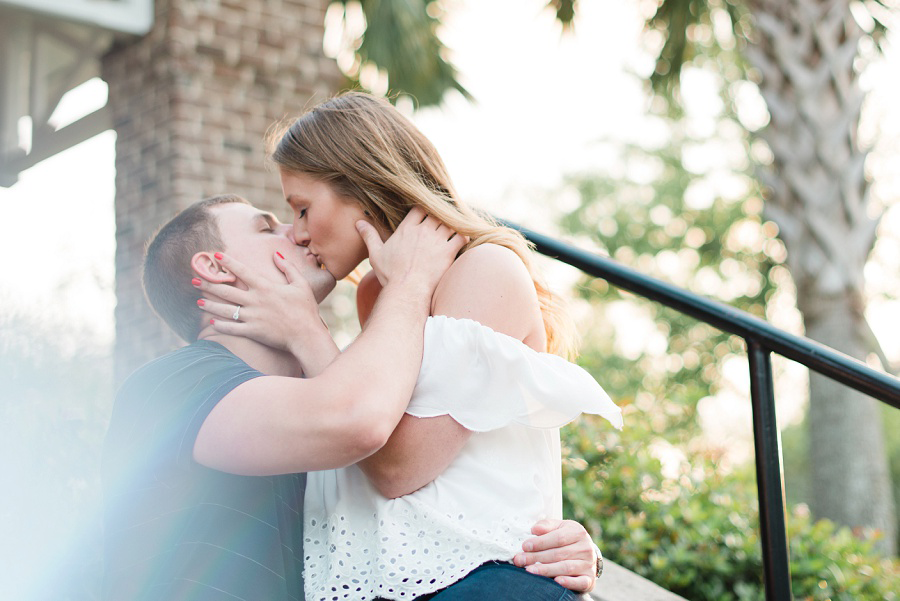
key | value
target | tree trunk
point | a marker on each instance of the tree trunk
(805, 51)
(850, 478)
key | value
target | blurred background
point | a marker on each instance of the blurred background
(747, 151)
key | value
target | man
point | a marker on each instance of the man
(204, 460)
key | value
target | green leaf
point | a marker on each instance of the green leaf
(401, 40)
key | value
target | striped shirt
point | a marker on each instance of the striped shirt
(174, 529)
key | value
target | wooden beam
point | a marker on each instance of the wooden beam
(45, 146)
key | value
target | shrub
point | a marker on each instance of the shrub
(693, 527)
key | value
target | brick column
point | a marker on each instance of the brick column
(191, 102)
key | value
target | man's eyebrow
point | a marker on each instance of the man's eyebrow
(269, 218)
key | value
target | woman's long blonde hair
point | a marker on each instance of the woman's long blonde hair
(368, 151)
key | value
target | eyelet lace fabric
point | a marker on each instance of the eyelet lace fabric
(405, 556)
(359, 545)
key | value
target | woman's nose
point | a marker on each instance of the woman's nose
(300, 236)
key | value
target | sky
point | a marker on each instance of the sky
(544, 103)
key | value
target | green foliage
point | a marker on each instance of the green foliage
(401, 41)
(658, 497)
(694, 32)
(565, 12)
(695, 530)
(644, 218)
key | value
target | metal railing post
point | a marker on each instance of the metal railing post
(769, 479)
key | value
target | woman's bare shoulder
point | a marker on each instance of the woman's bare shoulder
(490, 284)
(490, 260)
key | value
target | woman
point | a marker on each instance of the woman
(480, 443)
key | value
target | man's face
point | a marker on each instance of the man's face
(252, 237)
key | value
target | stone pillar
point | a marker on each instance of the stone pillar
(191, 102)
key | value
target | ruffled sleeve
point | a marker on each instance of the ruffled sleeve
(485, 380)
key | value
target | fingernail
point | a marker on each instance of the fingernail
(200, 302)
(280, 256)
(196, 282)
(527, 546)
(212, 321)
(218, 256)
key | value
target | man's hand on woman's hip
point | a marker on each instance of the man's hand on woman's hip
(562, 550)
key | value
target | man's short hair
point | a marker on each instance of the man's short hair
(167, 263)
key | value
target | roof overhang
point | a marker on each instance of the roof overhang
(48, 47)
(123, 16)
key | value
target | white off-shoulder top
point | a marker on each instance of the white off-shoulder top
(360, 545)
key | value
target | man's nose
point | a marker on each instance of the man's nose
(287, 230)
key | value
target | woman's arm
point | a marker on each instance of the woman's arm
(488, 284)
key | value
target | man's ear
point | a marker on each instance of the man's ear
(210, 269)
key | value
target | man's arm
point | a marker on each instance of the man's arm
(273, 425)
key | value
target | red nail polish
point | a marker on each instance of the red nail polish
(212, 321)
(280, 256)
(200, 302)
(196, 282)
(218, 256)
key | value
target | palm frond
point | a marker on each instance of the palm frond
(673, 18)
(401, 40)
(565, 12)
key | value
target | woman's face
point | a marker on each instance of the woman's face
(325, 222)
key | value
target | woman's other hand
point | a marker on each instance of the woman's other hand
(419, 252)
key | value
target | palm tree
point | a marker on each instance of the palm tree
(803, 56)
(804, 52)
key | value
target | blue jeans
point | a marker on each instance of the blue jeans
(499, 581)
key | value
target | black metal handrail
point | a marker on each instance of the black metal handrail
(762, 340)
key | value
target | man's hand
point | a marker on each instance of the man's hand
(562, 550)
(417, 254)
